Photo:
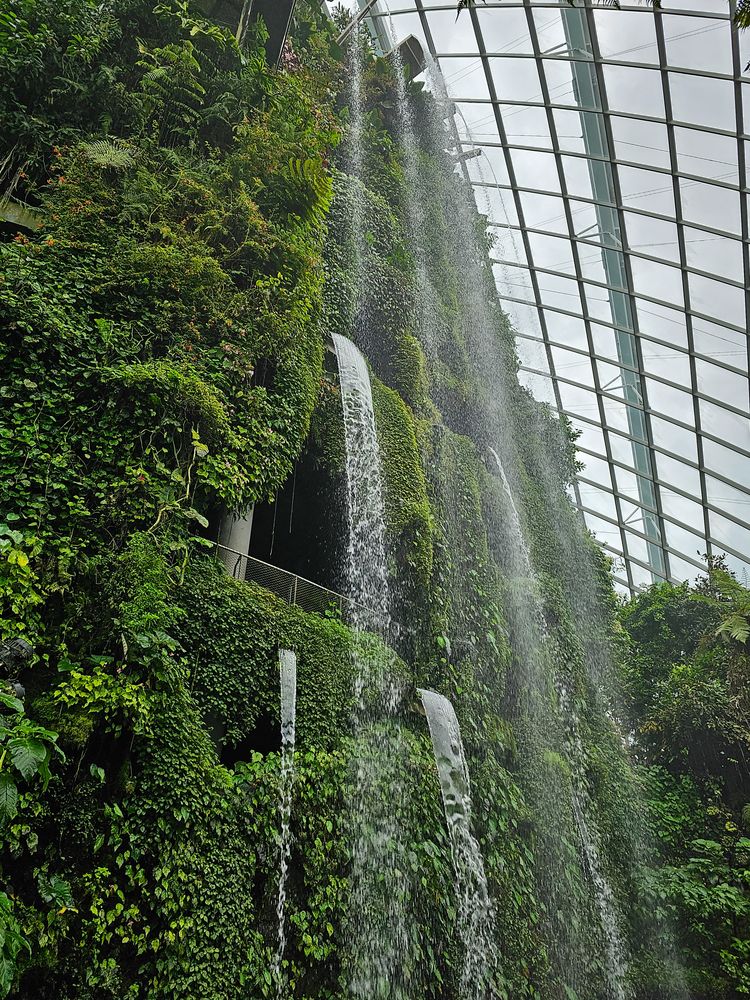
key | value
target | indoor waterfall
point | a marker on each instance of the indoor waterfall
(288, 705)
(532, 687)
(378, 892)
(475, 911)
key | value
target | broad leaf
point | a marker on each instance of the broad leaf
(8, 796)
(27, 755)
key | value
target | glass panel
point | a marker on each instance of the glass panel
(662, 322)
(538, 170)
(616, 415)
(451, 35)
(717, 299)
(544, 212)
(634, 91)
(727, 463)
(515, 282)
(622, 450)
(559, 76)
(655, 237)
(638, 547)
(628, 38)
(718, 254)
(657, 280)
(711, 206)
(590, 437)
(572, 366)
(680, 507)
(598, 302)
(701, 100)
(464, 76)
(605, 342)
(569, 131)
(577, 176)
(516, 79)
(678, 474)
(526, 126)
(577, 400)
(539, 386)
(685, 541)
(641, 142)
(682, 570)
(478, 120)
(720, 343)
(733, 501)
(670, 401)
(552, 252)
(597, 469)
(506, 245)
(566, 329)
(706, 155)
(560, 292)
(698, 43)
(665, 361)
(504, 29)
(592, 264)
(721, 423)
(727, 386)
(532, 354)
(673, 438)
(604, 531)
(627, 483)
(549, 28)
(728, 533)
(600, 501)
(646, 190)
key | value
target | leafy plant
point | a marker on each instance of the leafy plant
(26, 750)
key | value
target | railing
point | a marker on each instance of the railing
(305, 594)
(292, 588)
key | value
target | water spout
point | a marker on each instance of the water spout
(377, 932)
(288, 679)
(475, 911)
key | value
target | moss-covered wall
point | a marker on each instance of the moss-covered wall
(165, 361)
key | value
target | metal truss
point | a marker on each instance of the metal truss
(694, 453)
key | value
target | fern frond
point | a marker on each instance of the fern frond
(108, 153)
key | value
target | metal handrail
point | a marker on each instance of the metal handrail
(295, 578)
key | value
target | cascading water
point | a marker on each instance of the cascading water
(378, 921)
(616, 966)
(288, 680)
(581, 803)
(475, 912)
(534, 669)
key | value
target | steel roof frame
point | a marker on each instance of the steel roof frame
(587, 65)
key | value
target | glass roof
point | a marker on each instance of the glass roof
(614, 176)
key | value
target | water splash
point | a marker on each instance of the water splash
(288, 680)
(616, 966)
(475, 911)
(582, 806)
(377, 931)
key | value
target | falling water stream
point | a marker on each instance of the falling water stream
(581, 803)
(378, 921)
(288, 679)
(523, 601)
(475, 912)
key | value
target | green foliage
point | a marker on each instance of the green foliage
(687, 676)
(20, 590)
(407, 508)
(12, 944)
(26, 750)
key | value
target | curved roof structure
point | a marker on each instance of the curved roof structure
(614, 174)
